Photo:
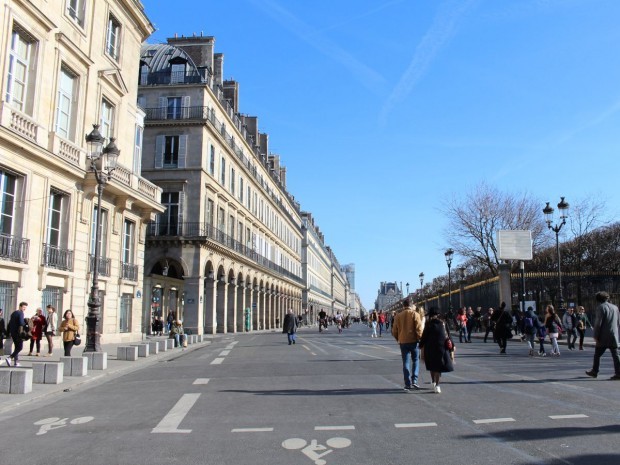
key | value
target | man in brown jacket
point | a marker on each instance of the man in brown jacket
(407, 329)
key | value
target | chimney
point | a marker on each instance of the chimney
(200, 49)
(251, 123)
(263, 143)
(231, 93)
(218, 68)
(283, 176)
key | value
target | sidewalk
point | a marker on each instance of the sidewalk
(115, 368)
(587, 341)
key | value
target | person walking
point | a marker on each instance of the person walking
(3, 333)
(569, 323)
(503, 327)
(437, 357)
(542, 333)
(469, 324)
(489, 324)
(50, 328)
(606, 334)
(582, 324)
(407, 330)
(16, 329)
(381, 321)
(461, 324)
(69, 327)
(373, 323)
(289, 326)
(554, 327)
(37, 322)
(530, 325)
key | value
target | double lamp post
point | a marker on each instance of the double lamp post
(548, 211)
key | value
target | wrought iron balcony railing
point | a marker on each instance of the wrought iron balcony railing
(103, 266)
(129, 271)
(14, 248)
(56, 257)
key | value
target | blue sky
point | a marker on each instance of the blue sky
(382, 110)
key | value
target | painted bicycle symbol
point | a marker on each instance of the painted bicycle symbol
(314, 450)
(48, 424)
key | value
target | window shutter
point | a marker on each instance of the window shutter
(182, 151)
(160, 146)
(163, 108)
(186, 103)
(181, 206)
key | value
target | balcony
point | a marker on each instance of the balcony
(103, 266)
(14, 249)
(129, 271)
(55, 257)
(178, 113)
(165, 78)
(205, 231)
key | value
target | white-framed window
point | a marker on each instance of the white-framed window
(76, 11)
(56, 223)
(20, 76)
(232, 180)
(231, 227)
(67, 87)
(106, 120)
(174, 108)
(129, 228)
(210, 212)
(212, 161)
(103, 226)
(241, 190)
(223, 171)
(8, 184)
(177, 72)
(113, 38)
(137, 152)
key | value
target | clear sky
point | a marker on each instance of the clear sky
(383, 109)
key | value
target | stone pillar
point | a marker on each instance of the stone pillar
(255, 307)
(194, 295)
(505, 292)
(210, 304)
(263, 308)
(221, 307)
(241, 293)
(231, 318)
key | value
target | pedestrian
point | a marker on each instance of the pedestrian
(554, 328)
(169, 321)
(381, 321)
(606, 334)
(461, 324)
(3, 332)
(542, 333)
(503, 327)
(38, 323)
(69, 327)
(16, 330)
(569, 323)
(530, 325)
(437, 357)
(50, 328)
(407, 330)
(582, 324)
(289, 326)
(489, 324)
(374, 316)
(469, 324)
(177, 333)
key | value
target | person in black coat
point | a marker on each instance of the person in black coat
(437, 358)
(503, 327)
(289, 326)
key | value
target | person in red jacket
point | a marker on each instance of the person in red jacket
(37, 322)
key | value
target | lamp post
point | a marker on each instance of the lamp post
(548, 211)
(449, 253)
(421, 276)
(407, 289)
(102, 164)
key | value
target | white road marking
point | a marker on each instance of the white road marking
(250, 430)
(170, 423)
(571, 386)
(201, 381)
(217, 361)
(414, 425)
(566, 417)
(224, 353)
(493, 420)
(334, 428)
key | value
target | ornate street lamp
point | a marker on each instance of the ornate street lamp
(548, 211)
(421, 276)
(102, 164)
(449, 254)
(407, 288)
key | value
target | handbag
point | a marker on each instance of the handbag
(77, 340)
(448, 344)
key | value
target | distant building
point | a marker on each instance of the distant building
(388, 294)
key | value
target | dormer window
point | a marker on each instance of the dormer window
(178, 67)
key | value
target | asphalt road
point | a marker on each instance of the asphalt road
(330, 399)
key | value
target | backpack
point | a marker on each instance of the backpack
(528, 325)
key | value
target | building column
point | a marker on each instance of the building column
(240, 307)
(256, 306)
(231, 313)
(263, 309)
(193, 309)
(221, 307)
(210, 304)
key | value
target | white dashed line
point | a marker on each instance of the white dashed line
(251, 430)
(334, 428)
(493, 420)
(414, 425)
(217, 361)
(224, 353)
(566, 417)
(201, 381)
(170, 423)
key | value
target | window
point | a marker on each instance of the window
(171, 151)
(125, 313)
(223, 172)
(210, 212)
(241, 190)
(232, 181)
(75, 9)
(174, 108)
(53, 296)
(240, 232)
(103, 226)
(177, 72)
(212, 161)
(65, 104)
(21, 58)
(113, 33)
(55, 224)
(129, 228)
(106, 121)
(169, 220)
(231, 226)
(8, 183)
(137, 152)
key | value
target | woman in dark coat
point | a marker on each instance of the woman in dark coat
(289, 326)
(437, 358)
(503, 327)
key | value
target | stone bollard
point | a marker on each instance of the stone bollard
(75, 366)
(143, 350)
(15, 381)
(163, 345)
(97, 360)
(170, 343)
(129, 353)
(153, 347)
(47, 372)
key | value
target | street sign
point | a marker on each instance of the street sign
(514, 244)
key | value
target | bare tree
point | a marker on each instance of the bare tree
(475, 218)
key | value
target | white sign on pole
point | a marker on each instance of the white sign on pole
(515, 244)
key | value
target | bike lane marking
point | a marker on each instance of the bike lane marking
(493, 420)
(170, 423)
(217, 361)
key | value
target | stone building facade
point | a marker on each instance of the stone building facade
(387, 295)
(225, 256)
(68, 64)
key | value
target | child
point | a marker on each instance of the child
(542, 333)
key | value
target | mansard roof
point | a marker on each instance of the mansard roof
(159, 57)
